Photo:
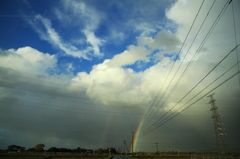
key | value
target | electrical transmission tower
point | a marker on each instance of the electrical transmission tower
(221, 139)
(157, 146)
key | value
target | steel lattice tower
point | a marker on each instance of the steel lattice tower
(221, 139)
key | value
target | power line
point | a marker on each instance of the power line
(77, 100)
(194, 102)
(176, 84)
(235, 32)
(70, 109)
(187, 101)
(67, 95)
(189, 64)
(214, 25)
(147, 119)
(35, 124)
(206, 37)
(53, 84)
(156, 122)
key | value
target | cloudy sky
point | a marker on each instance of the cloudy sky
(89, 73)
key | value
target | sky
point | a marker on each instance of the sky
(88, 74)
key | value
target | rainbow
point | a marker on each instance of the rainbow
(137, 132)
(135, 137)
(106, 131)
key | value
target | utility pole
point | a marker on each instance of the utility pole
(156, 146)
(124, 142)
(120, 149)
(221, 140)
(132, 141)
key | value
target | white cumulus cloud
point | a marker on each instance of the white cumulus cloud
(28, 60)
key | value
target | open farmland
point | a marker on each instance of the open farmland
(106, 156)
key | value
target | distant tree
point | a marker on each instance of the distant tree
(83, 150)
(15, 148)
(12, 148)
(113, 150)
(39, 147)
(100, 150)
(31, 149)
(64, 150)
(53, 149)
(78, 149)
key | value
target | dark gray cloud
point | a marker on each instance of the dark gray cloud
(102, 108)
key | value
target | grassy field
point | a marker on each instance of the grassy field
(79, 156)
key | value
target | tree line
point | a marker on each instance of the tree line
(40, 147)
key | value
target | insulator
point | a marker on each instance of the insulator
(218, 124)
(213, 108)
(215, 116)
(212, 100)
(220, 134)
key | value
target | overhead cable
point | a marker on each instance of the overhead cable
(147, 118)
(195, 101)
(201, 45)
(156, 123)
